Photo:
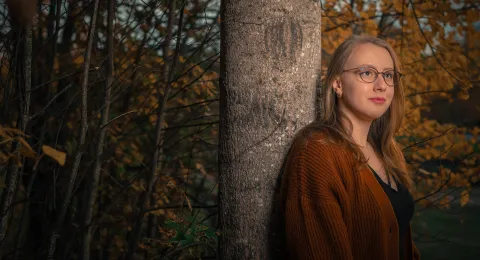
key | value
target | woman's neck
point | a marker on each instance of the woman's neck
(358, 130)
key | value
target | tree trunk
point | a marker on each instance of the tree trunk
(92, 186)
(51, 63)
(270, 64)
(81, 142)
(22, 66)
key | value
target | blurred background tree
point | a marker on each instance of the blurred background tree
(143, 182)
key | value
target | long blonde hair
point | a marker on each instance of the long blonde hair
(382, 131)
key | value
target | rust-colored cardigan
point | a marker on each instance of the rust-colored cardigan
(336, 210)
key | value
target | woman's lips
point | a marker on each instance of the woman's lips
(377, 100)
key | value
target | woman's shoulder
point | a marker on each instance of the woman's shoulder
(321, 148)
(316, 140)
(314, 162)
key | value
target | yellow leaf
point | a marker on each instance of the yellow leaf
(7, 140)
(13, 131)
(465, 197)
(78, 60)
(27, 152)
(127, 209)
(3, 159)
(57, 155)
(463, 95)
(424, 172)
(171, 184)
(25, 144)
(144, 246)
(398, 5)
(2, 132)
(188, 202)
(201, 168)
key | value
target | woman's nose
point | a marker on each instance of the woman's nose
(379, 83)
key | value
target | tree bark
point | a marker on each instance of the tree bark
(270, 64)
(92, 186)
(81, 142)
(51, 63)
(23, 69)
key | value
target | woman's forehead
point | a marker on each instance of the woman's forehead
(370, 55)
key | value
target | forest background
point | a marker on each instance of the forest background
(92, 91)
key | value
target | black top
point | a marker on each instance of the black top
(403, 205)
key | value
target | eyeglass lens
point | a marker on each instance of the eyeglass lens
(370, 75)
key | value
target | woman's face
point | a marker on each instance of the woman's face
(361, 100)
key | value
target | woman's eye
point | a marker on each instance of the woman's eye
(388, 75)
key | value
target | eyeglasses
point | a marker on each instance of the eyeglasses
(369, 75)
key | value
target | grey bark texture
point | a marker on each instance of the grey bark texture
(52, 243)
(92, 184)
(24, 69)
(270, 66)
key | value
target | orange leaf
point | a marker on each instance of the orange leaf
(55, 154)
(465, 197)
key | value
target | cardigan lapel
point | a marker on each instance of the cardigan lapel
(379, 194)
(381, 197)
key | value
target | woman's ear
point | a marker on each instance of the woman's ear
(337, 86)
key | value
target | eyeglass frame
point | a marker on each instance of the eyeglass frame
(376, 75)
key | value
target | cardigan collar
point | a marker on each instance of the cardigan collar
(391, 224)
(380, 196)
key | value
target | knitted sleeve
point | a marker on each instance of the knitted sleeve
(314, 225)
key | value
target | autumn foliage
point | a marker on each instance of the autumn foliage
(438, 45)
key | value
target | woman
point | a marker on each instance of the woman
(345, 188)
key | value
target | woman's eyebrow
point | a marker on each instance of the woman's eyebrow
(371, 66)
